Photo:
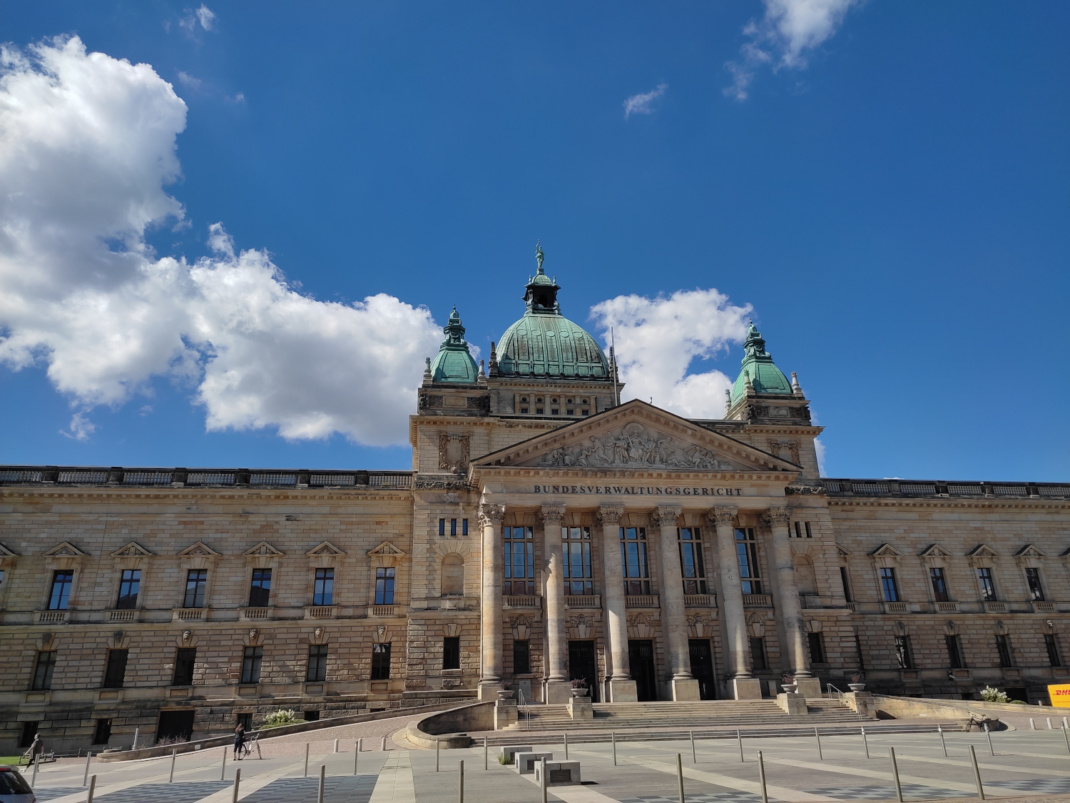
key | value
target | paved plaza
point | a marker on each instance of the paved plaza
(1027, 765)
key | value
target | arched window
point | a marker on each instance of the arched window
(453, 575)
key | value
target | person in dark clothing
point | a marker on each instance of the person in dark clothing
(239, 741)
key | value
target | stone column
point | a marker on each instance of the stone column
(621, 687)
(557, 683)
(787, 601)
(673, 612)
(746, 686)
(490, 522)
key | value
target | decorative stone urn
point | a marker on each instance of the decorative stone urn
(856, 686)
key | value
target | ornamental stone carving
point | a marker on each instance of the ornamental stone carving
(636, 446)
(551, 515)
(723, 515)
(452, 452)
(777, 516)
(665, 514)
(491, 514)
(699, 625)
(610, 514)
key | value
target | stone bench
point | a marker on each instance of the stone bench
(509, 752)
(558, 773)
(525, 762)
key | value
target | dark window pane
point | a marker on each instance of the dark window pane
(1053, 650)
(196, 581)
(61, 590)
(384, 586)
(1036, 590)
(185, 658)
(936, 576)
(1003, 647)
(521, 657)
(451, 652)
(129, 585)
(252, 658)
(42, 671)
(317, 663)
(889, 586)
(757, 654)
(817, 647)
(260, 588)
(323, 591)
(380, 662)
(115, 672)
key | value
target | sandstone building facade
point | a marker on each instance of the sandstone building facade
(546, 533)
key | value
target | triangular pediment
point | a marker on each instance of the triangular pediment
(6, 553)
(636, 436)
(386, 550)
(935, 551)
(131, 550)
(983, 551)
(886, 551)
(262, 549)
(197, 549)
(841, 551)
(1030, 551)
(65, 550)
(324, 548)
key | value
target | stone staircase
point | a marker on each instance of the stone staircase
(720, 714)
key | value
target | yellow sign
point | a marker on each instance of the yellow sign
(1060, 695)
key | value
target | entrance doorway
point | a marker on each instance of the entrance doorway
(641, 657)
(582, 665)
(702, 668)
(175, 725)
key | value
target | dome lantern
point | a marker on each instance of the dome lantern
(454, 363)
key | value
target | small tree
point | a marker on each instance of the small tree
(276, 719)
(990, 694)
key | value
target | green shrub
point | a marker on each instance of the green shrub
(506, 759)
(276, 719)
(990, 694)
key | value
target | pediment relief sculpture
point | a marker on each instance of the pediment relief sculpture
(263, 549)
(65, 550)
(636, 446)
(131, 550)
(198, 549)
(325, 548)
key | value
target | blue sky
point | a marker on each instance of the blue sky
(238, 252)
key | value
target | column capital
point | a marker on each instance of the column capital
(665, 514)
(722, 514)
(776, 516)
(610, 514)
(551, 514)
(491, 514)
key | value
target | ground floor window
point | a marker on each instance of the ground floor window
(380, 661)
(817, 648)
(451, 652)
(758, 662)
(521, 657)
(102, 731)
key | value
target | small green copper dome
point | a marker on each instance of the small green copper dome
(758, 367)
(546, 343)
(454, 363)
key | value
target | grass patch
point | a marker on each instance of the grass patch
(13, 760)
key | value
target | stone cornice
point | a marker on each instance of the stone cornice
(958, 503)
(780, 478)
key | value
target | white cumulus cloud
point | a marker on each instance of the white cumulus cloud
(658, 340)
(87, 147)
(643, 102)
(787, 30)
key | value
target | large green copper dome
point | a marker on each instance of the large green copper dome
(759, 369)
(546, 343)
(454, 363)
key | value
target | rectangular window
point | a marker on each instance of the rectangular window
(185, 658)
(61, 590)
(380, 662)
(521, 657)
(987, 583)
(102, 731)
(441, 526)
(311, 716)
(817, 648)
(747, 555)
(757, 654)
(252, 658)
(692, 566)
(904, 656)
(115, 671)
(129, 585)
(801, 528)
(1003, 647)
(576, 560)
(453, 526)
(1036, 590)
(260, 588)
(936, 577)
(845, 582)
(384, 586)
(954, 652)
(889, 587)
(42, 670)
(451, 652)
(246, 721)
(323, 589)
(317, 663)
(464, 526)
(633, 560)
(196, 581)
(1053, 650)
(519, 561)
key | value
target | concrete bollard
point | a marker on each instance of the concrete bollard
(761, 778)
(382, 745)
(92, 789)
(85, 775)
(460, 781)
(564, 738)
(356, 756)
(988, 733)
(943, 743)
(739, 739)
(1049, 724)
(36, 766)
(895, 776)
(977, 773)
(820, 755)
(223, 769)
(485, 752)
(613, 738)
(306, 758)
(543, 781)
(336, 745)
(237, 783)
(694, 758)
(438, 751)
(136, 732)
(360, 744)
(865, 741)
(680, 776)
(1066, 738)
(323, 778)
(1032, 724)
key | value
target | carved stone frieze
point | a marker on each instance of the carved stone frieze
(636, 446)
(802, 489)
(452, 452)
